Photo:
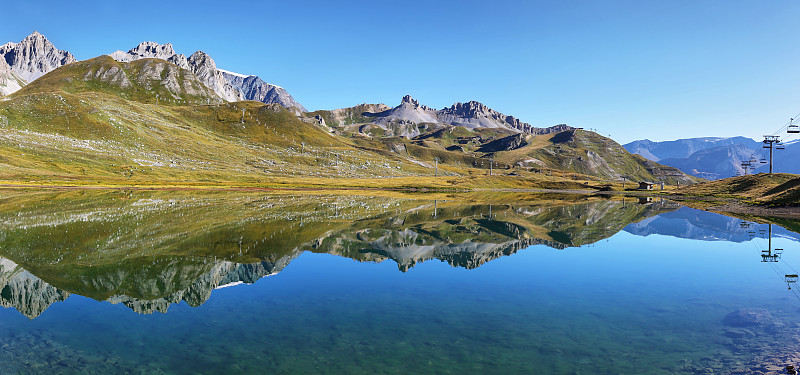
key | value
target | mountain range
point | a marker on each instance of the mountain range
(153, 114)
(405, 119)
(716, 158)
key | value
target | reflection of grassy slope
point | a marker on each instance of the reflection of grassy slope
(777, 189)
(147, 244)
(72, 239)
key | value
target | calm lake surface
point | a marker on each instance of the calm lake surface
(137, 282)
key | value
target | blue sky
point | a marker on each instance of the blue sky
(660, 70)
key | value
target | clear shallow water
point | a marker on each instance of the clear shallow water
(540, 287)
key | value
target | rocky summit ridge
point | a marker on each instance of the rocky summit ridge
(410, 113)
(229, 86)
(31, 58)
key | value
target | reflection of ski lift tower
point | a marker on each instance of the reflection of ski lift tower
(769, 255)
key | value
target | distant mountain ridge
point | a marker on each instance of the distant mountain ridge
(715, 158)
(682, 148)
(403, 120)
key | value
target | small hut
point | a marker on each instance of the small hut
(645, 185)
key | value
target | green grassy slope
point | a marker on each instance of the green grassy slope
(777, 189)
(146, 81)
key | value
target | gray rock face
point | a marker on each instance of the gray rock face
(146, 50)
(9, 81)
(206, 71)
(254, 88)
(228, 85)
(476, 115)
(28, 60)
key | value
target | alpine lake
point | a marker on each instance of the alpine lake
(237, 282)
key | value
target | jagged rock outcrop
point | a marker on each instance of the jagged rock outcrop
(228, 85)
(146, 50)
(28, 60)
(473, 114)
(409, 111)
(25, 292)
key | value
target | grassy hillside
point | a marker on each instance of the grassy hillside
(583, 154)
(145, 81)
(777, 189)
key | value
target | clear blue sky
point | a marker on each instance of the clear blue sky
(632, 69)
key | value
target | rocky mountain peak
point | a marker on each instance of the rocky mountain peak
(469, 109)
(408, 101)
(201, 58)
(153, 50)
(34, 56)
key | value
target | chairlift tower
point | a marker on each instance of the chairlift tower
(747, 164)
(770, 141)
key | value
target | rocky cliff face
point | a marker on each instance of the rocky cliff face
(28, 60)
(146, 50)
(206, 71)
(9, 81)
(476, 115)
(254, 88)
(227, 85)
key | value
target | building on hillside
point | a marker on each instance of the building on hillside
(645, 185)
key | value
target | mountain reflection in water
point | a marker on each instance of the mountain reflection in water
(148, 250)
